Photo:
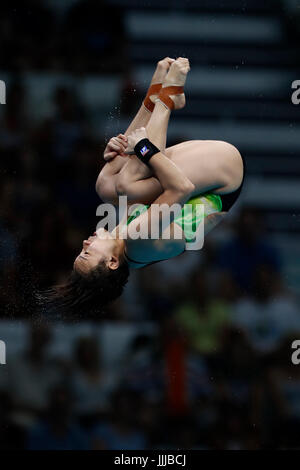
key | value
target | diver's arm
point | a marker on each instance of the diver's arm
(115, 159)
(177, 189)
(175, 185)
(167, 241)
(107, 178)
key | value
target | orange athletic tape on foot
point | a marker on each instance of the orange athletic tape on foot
(164, 95)
(153, 90)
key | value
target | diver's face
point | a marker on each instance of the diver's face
(100, 247)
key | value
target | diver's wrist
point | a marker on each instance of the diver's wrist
(144, 150)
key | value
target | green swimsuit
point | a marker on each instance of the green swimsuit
(189, 221)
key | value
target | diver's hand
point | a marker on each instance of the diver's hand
(116, 146)
(134, 138)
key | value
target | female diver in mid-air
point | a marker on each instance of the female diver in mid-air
(139, 166)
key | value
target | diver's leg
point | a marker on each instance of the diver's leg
(211, 165)
(144, 113)
(107, 178)
(135, 179)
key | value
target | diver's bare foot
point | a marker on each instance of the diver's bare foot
(176, 77)
(156, 82)
(161, 70)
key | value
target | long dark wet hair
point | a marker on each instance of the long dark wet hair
(86, 293)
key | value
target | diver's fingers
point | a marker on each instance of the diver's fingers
(122, 136)
(119, 143)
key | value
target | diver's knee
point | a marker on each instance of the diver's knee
(232, 169)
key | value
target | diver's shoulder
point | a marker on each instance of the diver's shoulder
(143, 252)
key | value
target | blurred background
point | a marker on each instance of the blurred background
(197, 352)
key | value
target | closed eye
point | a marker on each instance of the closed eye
(84, 253)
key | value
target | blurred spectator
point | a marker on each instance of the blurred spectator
(66, 127)
(58, 431)
(47, 226)
(13, 124)
(291, 10)
(8, 247)
(284, 392)
(9, 299)
(203, 316)
(121, 431)
(94, 29)
(150, 371)
(26, 32)
(12, 437)
(248, 250)
(90, 385)
(269, 314)
(143, 372)
(36, 372)
(77, 188)
(238, 391)
(179, 432)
